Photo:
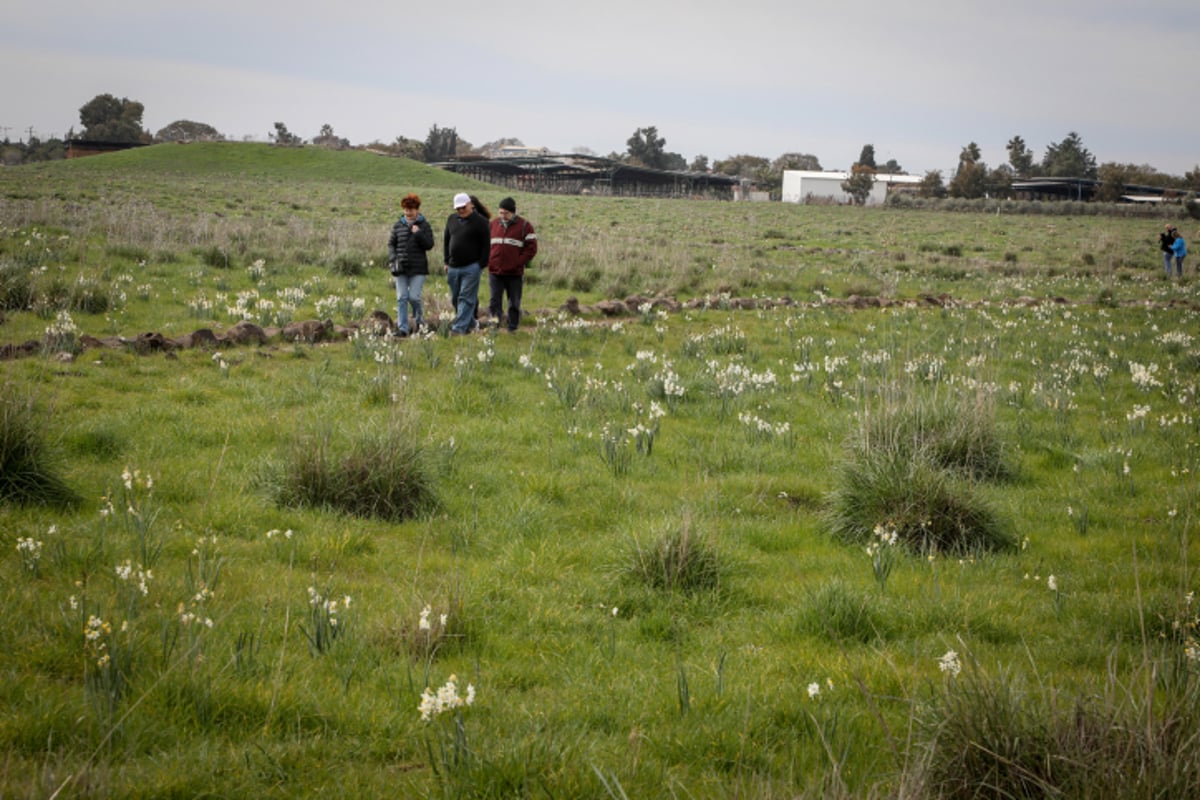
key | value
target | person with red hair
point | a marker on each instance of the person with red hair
(411, 240)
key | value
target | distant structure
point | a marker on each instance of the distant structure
(810, 186)
(582, 174)
(519, 151)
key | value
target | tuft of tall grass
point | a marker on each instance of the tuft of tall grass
(912, 467)
(929, 508)
(29, 467)
(380, 473)
(998, 737)
(679, 559)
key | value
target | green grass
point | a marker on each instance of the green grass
(642, 586)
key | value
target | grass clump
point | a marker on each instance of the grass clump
(679, 559)
(996, 737)
(379, 474)
(29, 469)
(914, 472)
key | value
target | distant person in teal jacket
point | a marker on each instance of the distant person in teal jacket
(1179, 248)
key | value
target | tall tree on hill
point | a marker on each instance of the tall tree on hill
(185, 130)
(441, 144)
(800, 161)
(327, 138)
(866, 158)
(107, 119)
(1069, 159)
(647, 148)
(971, 178)
(1020, 157)
(283, 137)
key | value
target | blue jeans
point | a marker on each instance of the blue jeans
(1167, 262)
(464, 296)
(408, 293)
(1179, 265)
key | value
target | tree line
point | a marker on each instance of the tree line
(105, 118)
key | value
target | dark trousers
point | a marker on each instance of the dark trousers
(510, 285)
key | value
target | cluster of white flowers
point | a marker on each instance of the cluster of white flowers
(257, 270)
(330, 606)
(927, 368)
(271, 534)
(672, 385)
(1144, 376)
(132, 478)
(486, 355)
(950, 664)
(30, 550)
(762, 427)
(136, 576)
(423, 622)
(814, 689)
(447, 698)
(200, 306)
(1138, 413)
(1175, 339)
(95, 631)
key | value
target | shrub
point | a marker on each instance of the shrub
(996, 737)
(959, 435)
(215, 256)
(28, 467)
(678, 560)
(16, 287)
(379, 474)
(88, 297)
(914, 470)
(348, 266)
(930, 509)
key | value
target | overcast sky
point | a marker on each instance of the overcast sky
(917, 80)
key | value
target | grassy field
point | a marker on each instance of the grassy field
(804, 549)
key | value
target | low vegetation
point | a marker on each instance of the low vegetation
(848, 503)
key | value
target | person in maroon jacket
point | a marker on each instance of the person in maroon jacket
(514, 244)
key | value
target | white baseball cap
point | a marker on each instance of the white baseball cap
(461, 199)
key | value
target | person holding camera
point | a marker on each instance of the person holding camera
(411, 240)
(1166, 240)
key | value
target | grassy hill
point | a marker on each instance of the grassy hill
(254, 161)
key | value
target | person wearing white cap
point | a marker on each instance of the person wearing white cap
(465, 247)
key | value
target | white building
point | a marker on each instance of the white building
(801, 185)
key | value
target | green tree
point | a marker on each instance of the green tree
(1020, 157)
(646, 147)
(185, 130)
(932, 185)
(860, 182)
(283, 137)
(441, 144)
(971, 178)
(699, 164)
(327, 138)
(866, 158)
(107, 119)
(674, 161)
(892, 167)
(796, 161)
(1069, 159)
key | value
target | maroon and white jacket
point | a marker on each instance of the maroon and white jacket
(513, 246)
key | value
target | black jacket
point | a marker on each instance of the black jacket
(407, 250)
(467, 241)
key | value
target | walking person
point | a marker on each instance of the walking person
(1165, 241)
(1179, 250)
(408, 248)
(465, 247)
(514, 244)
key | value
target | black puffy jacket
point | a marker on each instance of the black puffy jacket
(407, 250)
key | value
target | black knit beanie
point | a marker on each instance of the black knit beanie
(508, 204)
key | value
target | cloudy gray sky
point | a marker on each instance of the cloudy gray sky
(917, 80)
